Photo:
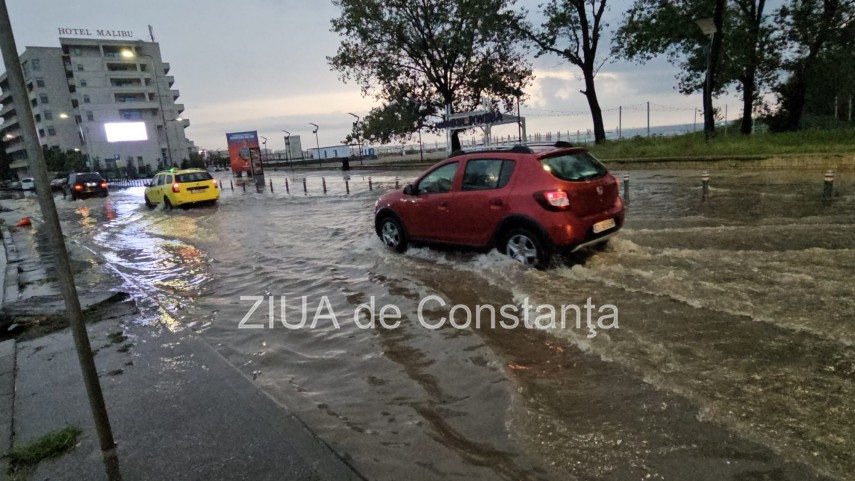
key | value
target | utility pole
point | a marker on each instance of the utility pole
(38, 169)
(648, 119)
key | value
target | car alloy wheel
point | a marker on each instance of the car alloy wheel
(392, 234)
(525, 248)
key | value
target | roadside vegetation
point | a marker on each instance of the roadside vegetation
(24, 458)
(730, 144)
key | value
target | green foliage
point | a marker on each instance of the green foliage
(51, 445)
(818, 34)
(432, 52)
(132, 171)
(393, 122)
(64, 162)
(185, 164)
(195, 160)
(840, 140)
(96, 164)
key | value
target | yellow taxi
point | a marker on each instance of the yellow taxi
(181, 188)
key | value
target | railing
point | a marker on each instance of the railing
(128, 182)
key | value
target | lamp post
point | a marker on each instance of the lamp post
(356, 131)
(264, 143)
(287, 147)
(129, 54)
(317, 142)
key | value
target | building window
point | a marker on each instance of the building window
(38, 118)
(34, 102)
(48, 115)
(51, 131)
(41, 132)
(77, 119)
(83, 82)
(37, 64)
(90, 117)
(76, 51)
(80, 67)
(43, 98)
(85, 99)
(40, 82)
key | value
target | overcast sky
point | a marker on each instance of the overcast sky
(261, 65)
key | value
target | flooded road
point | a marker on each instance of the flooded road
(732, 357)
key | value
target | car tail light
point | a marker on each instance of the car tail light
(553, 199)
(78, 186)
(104, 185)
(216, 184)
(176, 188)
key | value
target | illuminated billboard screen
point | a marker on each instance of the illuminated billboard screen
(125, 131)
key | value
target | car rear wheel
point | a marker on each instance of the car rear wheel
(148, 202)
(392, 234)
(526, 248)
(166, 204)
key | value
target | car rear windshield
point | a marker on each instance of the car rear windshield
(574, 167)
(89, 178)
(193, 177)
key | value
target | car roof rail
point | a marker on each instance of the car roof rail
(516, 148)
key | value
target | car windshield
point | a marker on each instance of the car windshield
(89, 178)
(574, 167)
(193, 177)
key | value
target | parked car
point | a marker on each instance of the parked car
(28, 183)
(530, 202)
(181, 188)
(86, 184)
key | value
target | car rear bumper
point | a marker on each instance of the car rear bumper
(579, 232)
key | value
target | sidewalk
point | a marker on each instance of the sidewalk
(178, 409)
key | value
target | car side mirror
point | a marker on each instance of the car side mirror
(409, 190)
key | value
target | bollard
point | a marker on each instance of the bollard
(324, 182)
(626, 189)
(231, 183)
(271, 186)
(705, 186)
(305, 191)
(828, 187)
(244, 186)
(397, 185)
(347, 186)
(287, 187)
(370, 186)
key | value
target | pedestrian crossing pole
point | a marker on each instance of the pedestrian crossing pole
(38, 169)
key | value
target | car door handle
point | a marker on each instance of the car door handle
(496, 203)
(443, 206)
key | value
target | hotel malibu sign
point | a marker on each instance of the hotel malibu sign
(85, 32)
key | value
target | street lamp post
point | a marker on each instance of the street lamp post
(129, 54)
(264, 143)
(317, 142)
(356, 131)
(287, 147)
(707, 26)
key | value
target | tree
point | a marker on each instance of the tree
(572, 30)
(196, 160)
(394, 121)
(812, 30)
(437, 53)
(132, 171)
(664, 27)
(96, 164)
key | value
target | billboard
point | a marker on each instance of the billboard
(240, 146)
(125, 131)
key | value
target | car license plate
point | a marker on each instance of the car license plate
(603, 225)
(197, 190)
(90, 184)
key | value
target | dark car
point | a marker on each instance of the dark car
(86, 184)
(530, 202)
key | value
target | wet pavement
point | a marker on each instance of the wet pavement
(732, 358)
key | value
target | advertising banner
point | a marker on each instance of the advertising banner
(240, 146)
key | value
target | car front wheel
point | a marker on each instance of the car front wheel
(148, 202)
(392, 234)
(526, 248)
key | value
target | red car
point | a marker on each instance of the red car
(530, 202)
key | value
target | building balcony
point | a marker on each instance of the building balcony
(170, 80)
(179, 108)
(165, 67)
(9, 124)
(175, 94)
(8, 108)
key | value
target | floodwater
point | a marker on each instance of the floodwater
(731, 356)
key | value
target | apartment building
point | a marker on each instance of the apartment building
(111, 99)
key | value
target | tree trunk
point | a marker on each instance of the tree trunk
(709, 85)
(594, 104)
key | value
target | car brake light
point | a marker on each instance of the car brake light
(176, 188)
(216, 184)
(104, 185)
(78, 187)
(553, 199)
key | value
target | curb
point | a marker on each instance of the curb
(7, 401)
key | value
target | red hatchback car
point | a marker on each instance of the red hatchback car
(530, 202)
